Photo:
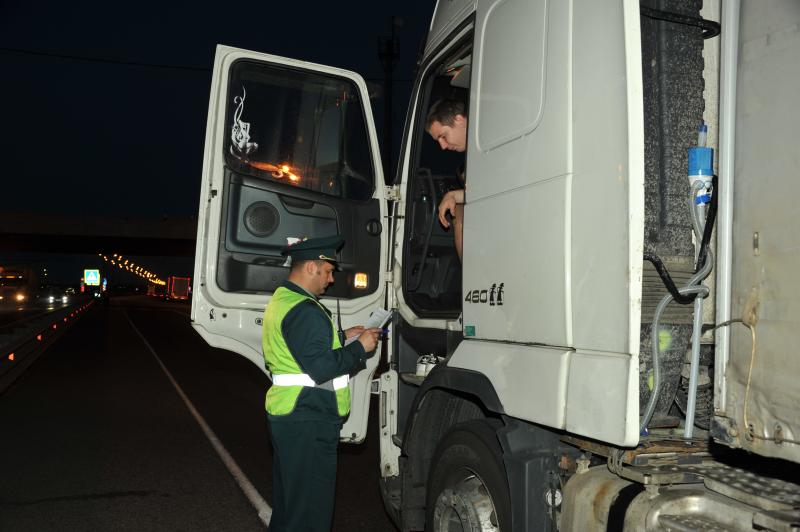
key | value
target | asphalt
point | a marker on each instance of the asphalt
(95, 436)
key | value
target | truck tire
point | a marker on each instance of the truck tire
(467, 486)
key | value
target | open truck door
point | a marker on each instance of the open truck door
(290, 153)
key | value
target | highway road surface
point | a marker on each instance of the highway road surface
(130, 421)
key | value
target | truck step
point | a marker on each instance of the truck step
(747, 487)
(690, 523)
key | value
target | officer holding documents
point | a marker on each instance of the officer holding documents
(309, 396)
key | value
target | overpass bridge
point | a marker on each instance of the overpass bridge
(58, 233)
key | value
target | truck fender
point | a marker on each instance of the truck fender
(447, 397)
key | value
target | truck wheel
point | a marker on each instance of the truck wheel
(467, 487)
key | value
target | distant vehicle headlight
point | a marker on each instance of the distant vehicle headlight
(51, 299)
(63, 299)
(20, 297)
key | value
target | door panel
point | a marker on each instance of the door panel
(259, 219)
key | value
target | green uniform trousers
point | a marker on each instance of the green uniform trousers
(303, 473)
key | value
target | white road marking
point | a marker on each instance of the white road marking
(258, 502)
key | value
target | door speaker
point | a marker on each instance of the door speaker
(261, 219)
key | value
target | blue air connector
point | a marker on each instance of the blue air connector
(701, 166)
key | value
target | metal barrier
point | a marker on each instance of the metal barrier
(21, 345)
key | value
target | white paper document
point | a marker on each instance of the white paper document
(379, 318)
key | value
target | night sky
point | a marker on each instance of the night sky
(104, 105)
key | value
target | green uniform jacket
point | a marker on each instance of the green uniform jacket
(307, 332)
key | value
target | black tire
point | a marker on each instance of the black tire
(468, 456)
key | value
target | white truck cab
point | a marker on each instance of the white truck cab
(598, 355)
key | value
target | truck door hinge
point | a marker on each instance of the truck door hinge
(393, 193)
(375, 386)
(390, 277)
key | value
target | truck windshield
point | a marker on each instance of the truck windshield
(298, 128)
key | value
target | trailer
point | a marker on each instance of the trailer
(177, 288)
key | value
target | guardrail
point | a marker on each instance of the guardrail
(22, 345)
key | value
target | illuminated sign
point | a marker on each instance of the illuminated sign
(91, 277)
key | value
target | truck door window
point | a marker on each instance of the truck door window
(302, 129)
(298, 164)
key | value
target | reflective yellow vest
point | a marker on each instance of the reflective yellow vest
(281, 400)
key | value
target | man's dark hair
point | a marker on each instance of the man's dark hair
(444, 111)
(300, 264)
